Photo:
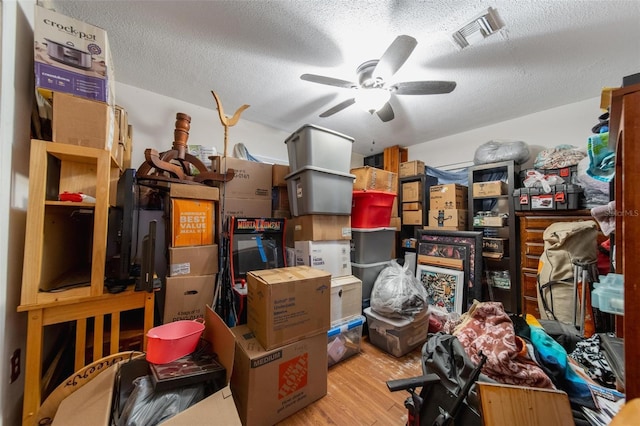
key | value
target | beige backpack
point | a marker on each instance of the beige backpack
(564, 242)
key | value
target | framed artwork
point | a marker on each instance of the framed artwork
(445, 287)
(452, 256)
(473, 242)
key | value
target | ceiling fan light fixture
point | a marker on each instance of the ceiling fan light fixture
(372, 99)
(478, 29)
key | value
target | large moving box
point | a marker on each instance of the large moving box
(288, 304)
(270, 385)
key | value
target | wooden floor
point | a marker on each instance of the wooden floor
(357, 393)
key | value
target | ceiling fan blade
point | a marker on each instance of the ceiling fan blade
(386, 113)
(328, 81)
(394, 57)
(342, 105)
(423, 87)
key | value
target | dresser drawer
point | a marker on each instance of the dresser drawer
(529, 284)
(535, 249)
(530, 262)
(530, 306)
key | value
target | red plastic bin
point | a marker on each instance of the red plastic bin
(371, 209)
(173, 340)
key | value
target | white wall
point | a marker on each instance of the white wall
(16, 90)
(569, 124)
(153, 119)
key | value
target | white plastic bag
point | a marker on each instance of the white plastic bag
(397, 293)
(499, 150)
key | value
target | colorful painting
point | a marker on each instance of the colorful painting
(445, 287)
(473, 241)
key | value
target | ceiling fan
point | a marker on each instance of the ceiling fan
(373, 87)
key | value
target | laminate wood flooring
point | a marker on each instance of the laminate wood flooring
(357, 392)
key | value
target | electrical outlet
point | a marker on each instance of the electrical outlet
(15, 365)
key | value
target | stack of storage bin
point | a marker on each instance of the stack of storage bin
(320, 194)
(372, 240)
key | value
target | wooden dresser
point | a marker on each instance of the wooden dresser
(532, 226)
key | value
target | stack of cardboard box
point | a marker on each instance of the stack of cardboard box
(280, 207)
(248, 194)
(193, 253)
(280, 363)
(448, 207)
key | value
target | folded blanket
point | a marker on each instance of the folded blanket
(602, 158)
(606, 217)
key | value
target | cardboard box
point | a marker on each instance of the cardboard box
(409, 243)
(411, 168)
(91, 404)
(489, 189)
(196, 260)
(83, 122)
(412, 191)
(449, 196)
(280, 198)
(396, 222)
(192, 222)
(251, 179)
(346, 297)
(244, 207)
(411, 206)
(412, 217)
(187, 296)
(288, 304)
(270, 385)
(331, 256)
(279, 171)
(497, 221)
(196, 192)
(495, 247)
(317, 227)
(72, 56)
(453, 218)
(371, 178)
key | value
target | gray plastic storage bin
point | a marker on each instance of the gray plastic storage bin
(368, 272)
(372, 245)
(318, 147)
(314, 190)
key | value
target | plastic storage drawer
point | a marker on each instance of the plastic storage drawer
(372, 245)
(313, 190)
(344, 339)
(318, 147)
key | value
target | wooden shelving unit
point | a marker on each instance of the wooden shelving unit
(64, 258)
(503, 204)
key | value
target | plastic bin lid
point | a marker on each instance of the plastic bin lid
(318, 169)
(386, 228)
(359, 192)
(347, 324)
(370, 265)
(396, 322)
(313, 126)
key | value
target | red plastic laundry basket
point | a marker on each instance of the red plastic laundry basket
(371, 209)
(173, 340)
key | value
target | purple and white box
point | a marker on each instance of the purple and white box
(72, 56)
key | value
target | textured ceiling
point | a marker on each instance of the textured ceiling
(550, 53)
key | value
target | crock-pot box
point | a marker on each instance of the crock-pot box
(72, 56)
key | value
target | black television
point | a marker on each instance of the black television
(121, 231)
